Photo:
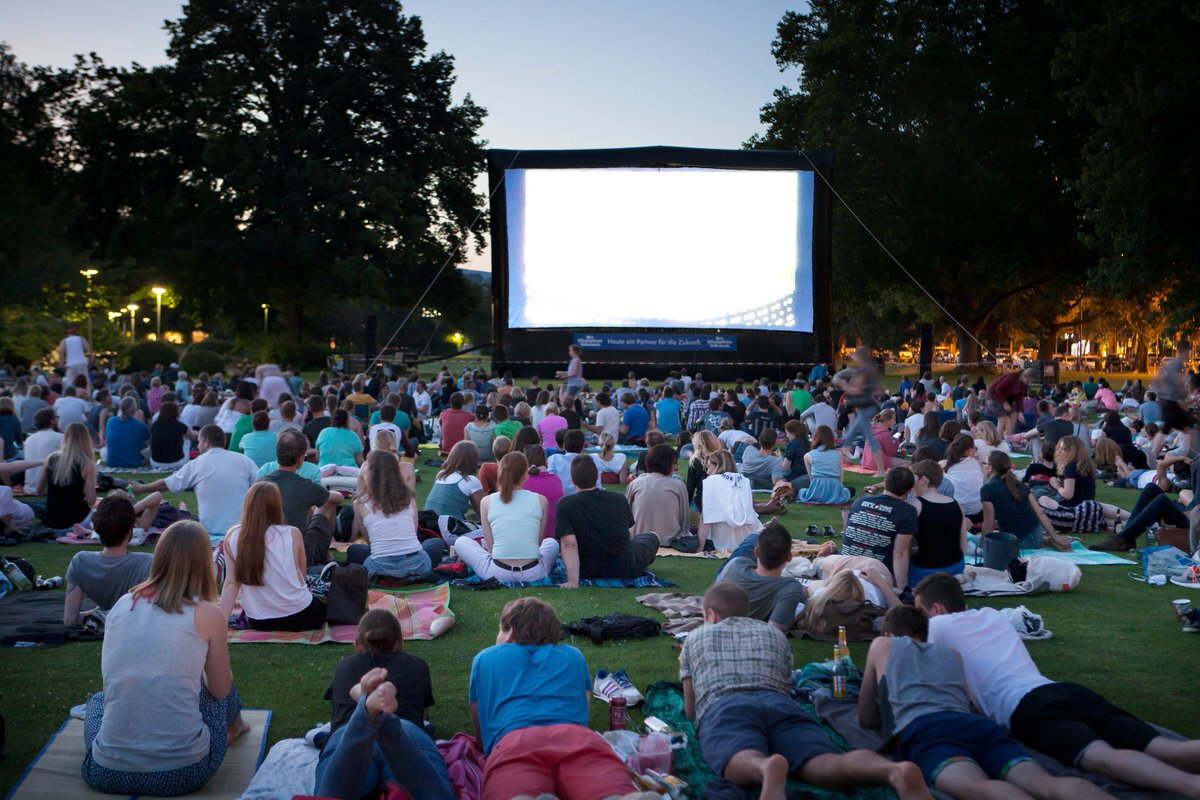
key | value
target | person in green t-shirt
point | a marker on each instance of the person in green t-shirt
(504, 425)
(245, 424)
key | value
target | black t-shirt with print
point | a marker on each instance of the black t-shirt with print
(872, 525)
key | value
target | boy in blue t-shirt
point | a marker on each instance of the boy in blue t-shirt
(634, 421)
(667, 411)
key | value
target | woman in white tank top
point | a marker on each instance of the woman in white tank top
(515, 547)
(385, 514)
(168, 710)
(265, 566)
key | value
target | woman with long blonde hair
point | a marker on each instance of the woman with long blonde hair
(68, 480)
(168, 710)
(265, 566)
(704, 444)
(612, 466)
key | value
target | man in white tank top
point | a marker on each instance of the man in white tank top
(74, 352)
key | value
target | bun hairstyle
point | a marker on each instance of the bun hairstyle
(379, 633)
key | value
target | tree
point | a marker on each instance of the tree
(1129, 71)
(293, 152)
(950, 143)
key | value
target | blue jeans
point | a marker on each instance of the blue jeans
(743, 550)
(367, 751)
(916, 574)
(414, 564)
(1153, 506)
(860, 428)
(217, 715)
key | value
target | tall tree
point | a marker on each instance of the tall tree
(292, 151)
(1130, 69)
(950, 143)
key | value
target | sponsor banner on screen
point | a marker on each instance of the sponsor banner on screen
(655, 341)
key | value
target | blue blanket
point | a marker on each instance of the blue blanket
(558, 576)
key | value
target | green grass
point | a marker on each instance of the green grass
(1113, 634)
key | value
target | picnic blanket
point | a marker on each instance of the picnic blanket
(423, 614)
(671, 551)
(289, 769)
(132, 470)
(558, 576)
(54, 773)
(684, 612)
(71, 538)
(34, 619)
(1080, 555)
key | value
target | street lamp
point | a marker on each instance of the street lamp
(132, 308)
(158, 293)
(89, 274)
(266, 307)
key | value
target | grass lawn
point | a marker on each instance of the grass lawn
(1113, 634)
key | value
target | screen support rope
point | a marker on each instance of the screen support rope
(445, 263)
(983, 348)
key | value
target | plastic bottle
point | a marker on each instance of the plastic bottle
(839, 675)
(1151, 537)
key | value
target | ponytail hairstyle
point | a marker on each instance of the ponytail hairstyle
(1001, 466)
(379, 633)
(886, 417)
(262, 508)
(535, 454)
(513, 469)
(959, 449)
(607, 443)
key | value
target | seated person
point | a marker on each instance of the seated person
(1009, 506)
(104, 576)
(593, 531)
(529, 700)
(385, 515)
(170, 439)
(339, 445)
(515, 545)
(794, 470)
(501, 446)
(454, 422)
(456, 488)
(245, 424)
(124, 436)
(613, 467)
(169, 710)
(773, 597)
(482, 431)
(265, 567)
(381, 698)
(506, 425)
(560, 463)
(825, 468)
(737, 675)
(761, 465)
(259, 444)
(728, 515)
(1066, 721)
(653, 438)
(658, 499)
(941, 537)
(882, 526)
(881, 431)
(917, 691)
(300, 495)
(634, 420)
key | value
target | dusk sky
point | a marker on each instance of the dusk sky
(551, 74)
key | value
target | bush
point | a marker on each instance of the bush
(143, 356)
(300, 355)
(197, 361)
(212, 345)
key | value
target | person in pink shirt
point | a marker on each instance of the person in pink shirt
(1106, 397)
(540, 480)
(454, 422)
(549, 424)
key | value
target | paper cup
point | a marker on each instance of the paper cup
(1181, 607)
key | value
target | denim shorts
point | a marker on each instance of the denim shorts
(404, 566)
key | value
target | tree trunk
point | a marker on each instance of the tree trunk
(968, 348)
(1047, 343)
(293, 320)
(1141, 357)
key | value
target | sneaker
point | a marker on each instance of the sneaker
(1191, 621)
(318, 735)
(1115, 543)
(326, 571)
(611, 684)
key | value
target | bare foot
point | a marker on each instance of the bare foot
(382, 700)
(774, 778)
(183, 505)
(235, 731)
(827, 549)
(907, 781)
(371, 679)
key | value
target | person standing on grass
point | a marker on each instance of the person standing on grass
(736, 674)
(168, 711)
(1066, 721)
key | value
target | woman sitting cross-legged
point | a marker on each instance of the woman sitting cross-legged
(515, 546)
(385, 514)
(168, 710)
(824, 465)
(380, 699)
(265, 566)
(457, 488)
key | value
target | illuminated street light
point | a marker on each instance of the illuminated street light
(158, 293)
(266, 307)
(132, 308)
(89, 273)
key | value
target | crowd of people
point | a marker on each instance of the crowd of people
(520, 484)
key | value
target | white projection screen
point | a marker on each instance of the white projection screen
(674, 248)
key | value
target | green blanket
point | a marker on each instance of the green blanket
(665, 701)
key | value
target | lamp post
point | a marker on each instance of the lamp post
(158, 293)
(89, 273)
(133, 307)
(266, 307)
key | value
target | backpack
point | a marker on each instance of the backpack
(347, 598)
(614, 626)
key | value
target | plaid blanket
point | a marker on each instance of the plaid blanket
(683, 611)
(558, 575)
(423, 614)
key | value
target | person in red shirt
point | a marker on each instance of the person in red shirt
(1007, 395)
(454, 423)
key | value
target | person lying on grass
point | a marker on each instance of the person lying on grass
(926, 706)
(1066, 721)
(736, 674)
(380, 700)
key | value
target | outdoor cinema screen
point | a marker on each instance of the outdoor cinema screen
(679, 248)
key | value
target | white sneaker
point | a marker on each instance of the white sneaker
(611, 684)
(311, 736)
